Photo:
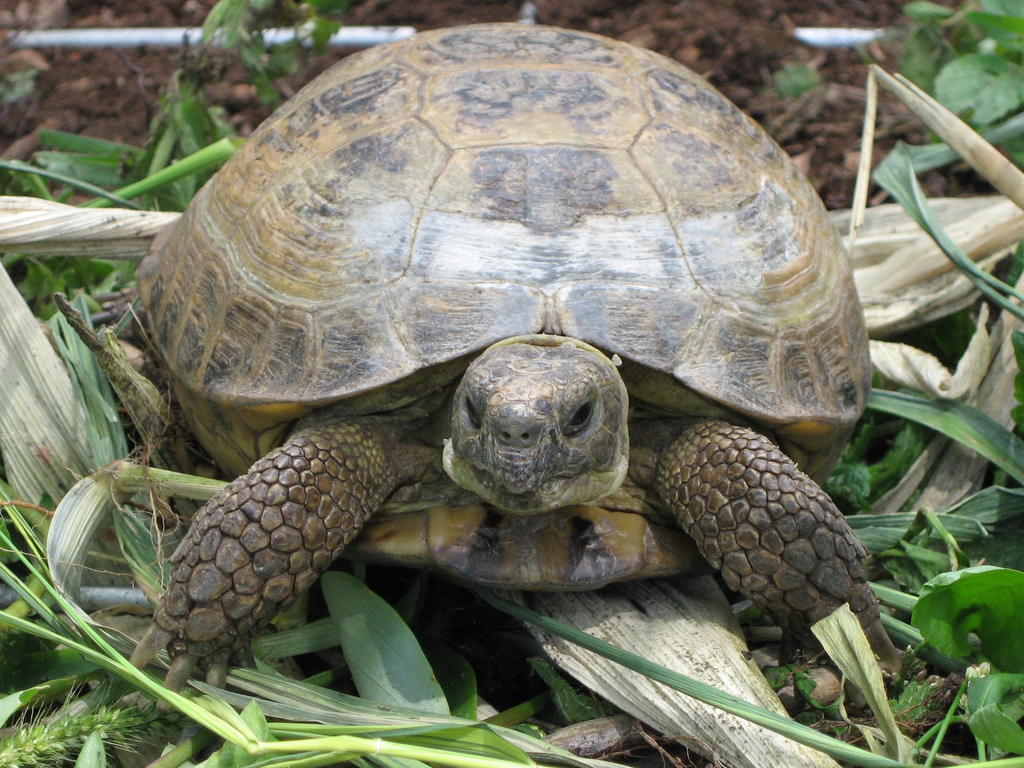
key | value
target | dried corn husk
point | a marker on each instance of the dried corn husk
(41, 433)
(681, 625)
(31, 225)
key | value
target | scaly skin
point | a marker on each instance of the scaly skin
(773, 533)
(264, 539)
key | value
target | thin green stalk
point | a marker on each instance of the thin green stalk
(185, 751)
(355, 746)
(927, 736)
(162, 150)
(944, 725)
(213, 154)
(520, 713)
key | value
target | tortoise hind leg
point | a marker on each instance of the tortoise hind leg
(265, 538)
(774, 534)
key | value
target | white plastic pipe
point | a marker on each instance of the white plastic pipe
(836, 37)
(92, 598)
(347, 37)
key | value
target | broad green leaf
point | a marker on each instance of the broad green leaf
(456, 676)
(996, 704)
(986, 84)
(101, 170)
(964, 423)
(983, 601)
(386, 661)
(913, 565)
(111, 198)
(795, 79)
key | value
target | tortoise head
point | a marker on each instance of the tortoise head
(539, 422)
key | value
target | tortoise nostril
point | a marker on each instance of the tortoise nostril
(525, 438)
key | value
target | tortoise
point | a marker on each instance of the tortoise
(564, 268)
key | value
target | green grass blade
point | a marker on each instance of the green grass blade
(109, 198)
(103, 426)
(896, 175)
(964, 423)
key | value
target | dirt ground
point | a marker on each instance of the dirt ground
(736, 44)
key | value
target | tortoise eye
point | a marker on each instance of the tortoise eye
(580, 419)
(472, 414)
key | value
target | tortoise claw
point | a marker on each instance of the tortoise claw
(151, 643)
(883, 647)
(180, 671)
(217, 673)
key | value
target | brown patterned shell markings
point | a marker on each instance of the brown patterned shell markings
(422, 200)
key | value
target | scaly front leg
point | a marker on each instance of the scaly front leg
(265, 538)
(775, 535)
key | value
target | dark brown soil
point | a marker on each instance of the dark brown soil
(736, 44)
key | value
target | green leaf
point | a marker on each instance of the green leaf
(915, 565)
(456, 676)
(922, 10)
(964, 423)
(101, 170)
(795, 79)
(982, 601)
(1000, 27)
(93, 754)
(387, 663)
(574, 707)
(986, 84)
(1004, 7)
(74, 142)
(922, 56)
(996, 705)
(897, 176)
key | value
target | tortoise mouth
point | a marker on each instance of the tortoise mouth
(518, 487)
(531, 490)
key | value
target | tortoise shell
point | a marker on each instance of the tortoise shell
(423, 199)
